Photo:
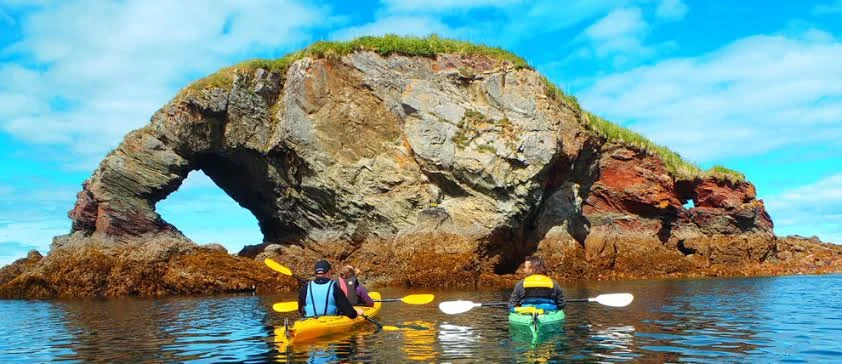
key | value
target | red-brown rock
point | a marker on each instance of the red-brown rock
(720, 193)
(632, 182)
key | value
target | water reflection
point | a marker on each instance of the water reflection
(458, 341)
(350, 346)
(714, 320)
(614, 343)
(419, 341)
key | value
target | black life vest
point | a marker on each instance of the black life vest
(349, 286)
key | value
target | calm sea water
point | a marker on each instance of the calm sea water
(784, 319)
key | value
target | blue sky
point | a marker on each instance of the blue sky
(746, 84)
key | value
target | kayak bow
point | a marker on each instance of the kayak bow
(536, 322)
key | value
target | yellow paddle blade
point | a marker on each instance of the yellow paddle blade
(418, 299)
(277, 266)
(285, 306)
(390, 328)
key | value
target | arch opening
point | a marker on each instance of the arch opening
(205, 213)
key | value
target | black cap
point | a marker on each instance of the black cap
(322, 267)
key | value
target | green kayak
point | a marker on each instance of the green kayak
(536, 322)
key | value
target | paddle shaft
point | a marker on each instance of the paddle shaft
(506, 304)
(379, 325)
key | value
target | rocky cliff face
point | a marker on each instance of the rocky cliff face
(446, 169)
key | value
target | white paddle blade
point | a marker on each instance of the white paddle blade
(614, 299)
(455, 307)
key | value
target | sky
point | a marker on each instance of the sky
(752, 85)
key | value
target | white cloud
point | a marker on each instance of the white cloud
(621, 31)
(617, 24)
(828, 8)
(443, 5)
(671, 10)
(506, 23)
(401, 25)
(755, 95)
(816, 207)
(90, 70)
(551, 15)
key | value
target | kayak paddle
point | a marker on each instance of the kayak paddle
(379, 325)
(413, 299)
(455, 307)
(281, 269)
(611, 299)
(288, 306)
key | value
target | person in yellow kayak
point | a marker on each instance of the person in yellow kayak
(537, 290)
(322, 296)
(353, 289)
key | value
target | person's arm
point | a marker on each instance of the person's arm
(559, 296)
(362, 293)
(517, 296)
(302, 298)
(343, 306)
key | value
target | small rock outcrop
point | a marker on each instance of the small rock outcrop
(434, 170)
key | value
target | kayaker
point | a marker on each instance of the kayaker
(537, 289)
(323, 297)
(353, 289)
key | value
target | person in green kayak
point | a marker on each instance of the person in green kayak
(353, 289)
(537, 290)
(323, 297)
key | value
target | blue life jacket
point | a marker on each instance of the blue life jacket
(320, 300)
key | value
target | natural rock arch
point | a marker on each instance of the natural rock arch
(201, 133)
(339, 149)
(340, 143)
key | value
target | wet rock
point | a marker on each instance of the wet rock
(19, 266)
(164, 268)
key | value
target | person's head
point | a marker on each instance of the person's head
(348, 272)
(322, 268)
(534, 265)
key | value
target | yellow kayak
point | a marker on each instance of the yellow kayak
(310, 329)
